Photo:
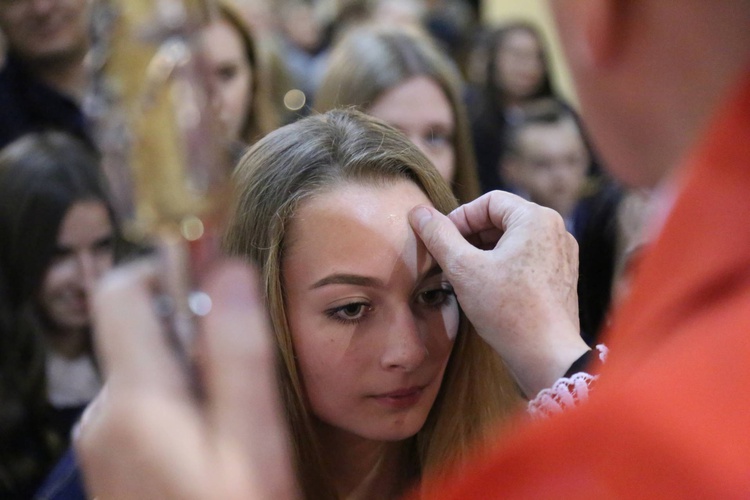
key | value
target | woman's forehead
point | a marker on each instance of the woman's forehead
(356, 221)
(364, 201)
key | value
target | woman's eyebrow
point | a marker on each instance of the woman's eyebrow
(365, 281)
(433, 271)
(348, 279)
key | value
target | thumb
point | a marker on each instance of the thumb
(441, 237)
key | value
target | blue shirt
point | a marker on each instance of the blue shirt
(64, 482)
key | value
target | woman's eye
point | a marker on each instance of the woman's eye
(227, 73)
(436, 297)
(437, 138)
(350, 313)
(104, 245)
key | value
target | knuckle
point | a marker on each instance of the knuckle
(551, 218)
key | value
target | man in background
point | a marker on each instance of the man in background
(546, 159)
(44, 79)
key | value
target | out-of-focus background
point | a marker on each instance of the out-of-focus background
(537, 11)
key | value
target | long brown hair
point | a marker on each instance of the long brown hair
(296, 163)
(42, 175)
(495, 94)
(372, 60)
(260, 118)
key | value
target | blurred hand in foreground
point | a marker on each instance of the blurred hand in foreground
(147, 436)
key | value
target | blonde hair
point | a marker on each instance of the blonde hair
(298, 162)
(372, 60)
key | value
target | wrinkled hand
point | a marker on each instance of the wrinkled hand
(514, 268)
(147, 437)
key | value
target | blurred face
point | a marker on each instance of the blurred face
(230, 74)
(372, 318)
(519, 65)
(420, 109)
(46, 30)
(301, 26)
(398, 13)
(551, 165)
(82, 254)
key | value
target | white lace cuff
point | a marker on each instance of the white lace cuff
(566, 393)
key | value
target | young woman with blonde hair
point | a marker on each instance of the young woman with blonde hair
(382, 377)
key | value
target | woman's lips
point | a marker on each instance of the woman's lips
(400, 399)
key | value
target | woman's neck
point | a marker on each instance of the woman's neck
(69, 344)
(365, 469)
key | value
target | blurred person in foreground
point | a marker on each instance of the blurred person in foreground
(43, 81)
(668, 418)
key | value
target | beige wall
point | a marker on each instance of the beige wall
(496, 11)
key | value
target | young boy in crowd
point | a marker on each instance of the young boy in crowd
(546, 159)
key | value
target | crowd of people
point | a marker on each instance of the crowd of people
(427, 246)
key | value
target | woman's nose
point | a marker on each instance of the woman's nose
(90, 269)
(405, 347)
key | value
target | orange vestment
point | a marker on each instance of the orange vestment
(670, 415)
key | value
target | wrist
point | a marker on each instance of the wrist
(537, 358)
(573, 389)
(543, 371)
